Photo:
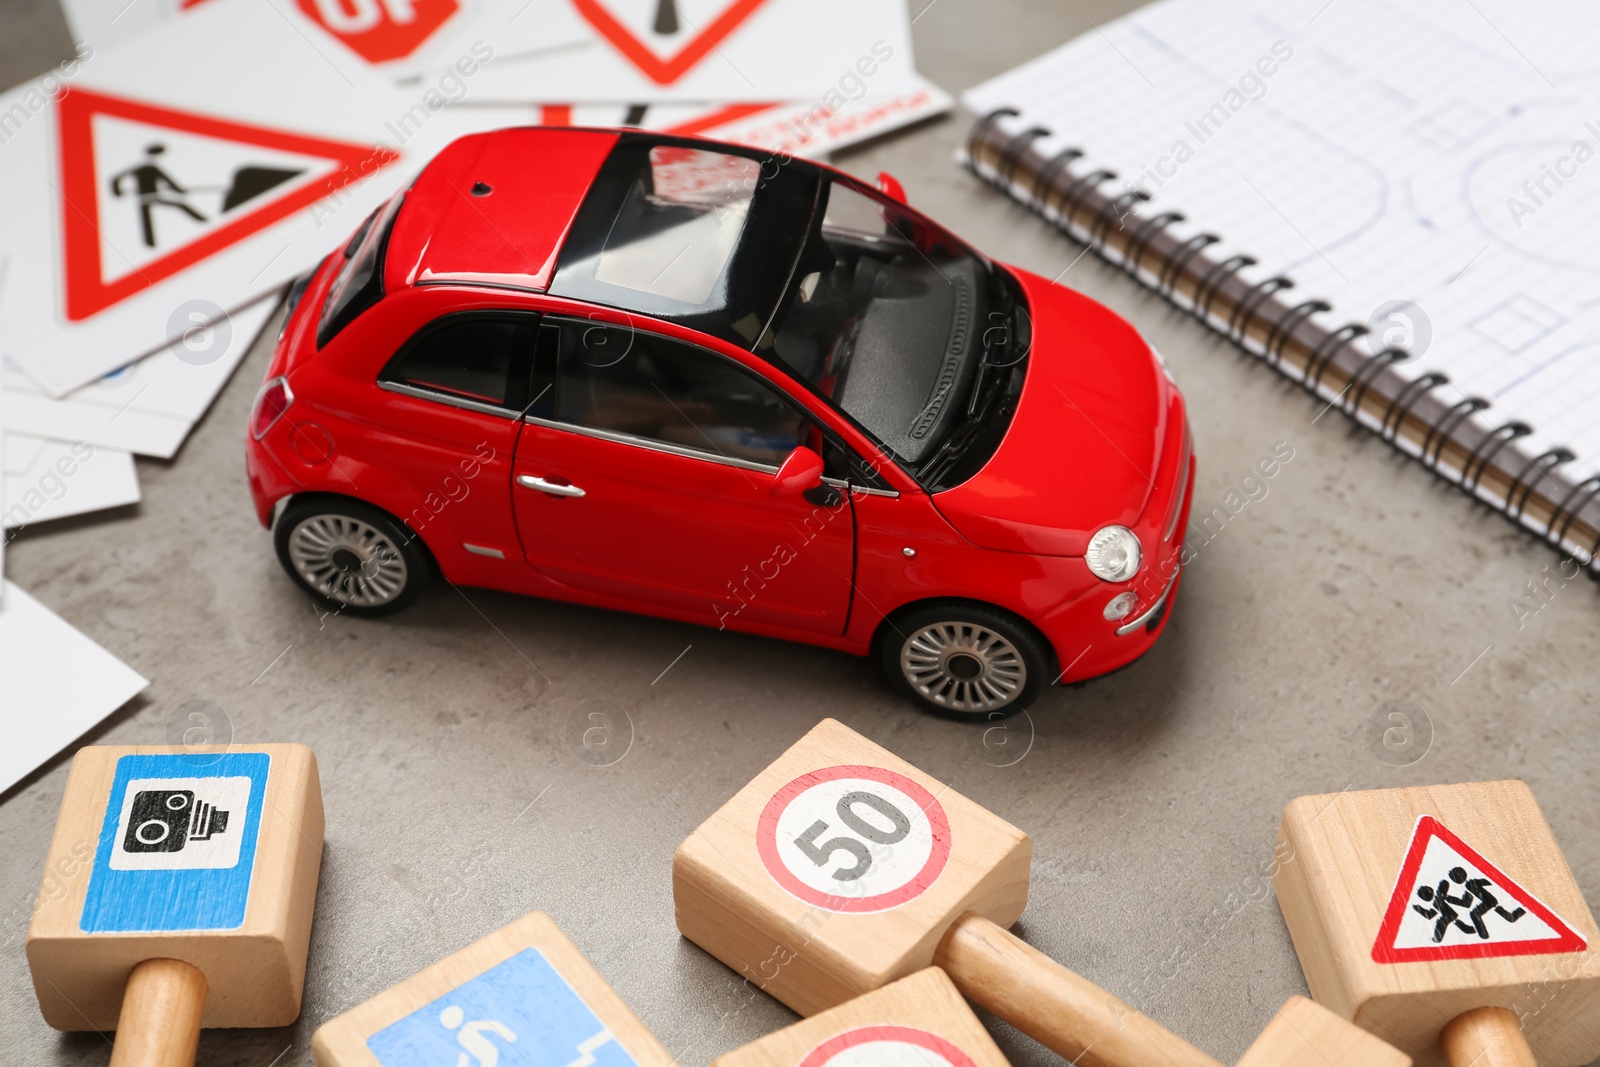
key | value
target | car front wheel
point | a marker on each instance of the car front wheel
(965, 661)
(350, 555)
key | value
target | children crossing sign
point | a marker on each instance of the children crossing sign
(150, 191)
(1451, 903)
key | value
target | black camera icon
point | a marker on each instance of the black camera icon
(165, 820)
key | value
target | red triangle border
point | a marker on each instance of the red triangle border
(86, 292)
(1427, 828)
(666, 71)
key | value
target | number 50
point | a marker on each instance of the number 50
(820, 854)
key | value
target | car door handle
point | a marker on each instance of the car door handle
(528, 481)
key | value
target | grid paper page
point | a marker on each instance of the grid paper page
(1443, 153)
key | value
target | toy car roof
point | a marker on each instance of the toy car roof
(494, 207)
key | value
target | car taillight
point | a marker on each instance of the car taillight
(273, 400)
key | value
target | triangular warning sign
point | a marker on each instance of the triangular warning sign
(1449, 903)
(665, 39)
(148, 191)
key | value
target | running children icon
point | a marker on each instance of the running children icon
(1466, 912)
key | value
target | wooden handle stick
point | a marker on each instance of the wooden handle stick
(1486, 1037)
(159, 1025)
(1066, 1013)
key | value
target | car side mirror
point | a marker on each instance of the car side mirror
(890, 186)
(801, 470)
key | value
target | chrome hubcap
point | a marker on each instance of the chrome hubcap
(347, 560)
(963, 666)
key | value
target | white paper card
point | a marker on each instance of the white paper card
(46, 480)
(801, 128)
(404, 39)
(55, 683)
(147, 407)
(188, 171)
(711, 50)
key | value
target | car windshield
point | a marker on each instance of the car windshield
(895, 321)
(891, 317)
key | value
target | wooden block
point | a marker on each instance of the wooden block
(523, 995)
(205, 856)
(1304, 1034)
(1362, 898)
(920, 1021)
(841, 868)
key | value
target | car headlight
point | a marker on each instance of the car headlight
(1113, 554)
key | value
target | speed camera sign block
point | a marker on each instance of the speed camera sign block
(523, 995)
(1303, 1032)
(836, 871)
(841, 868)
(205, 856)
(920, 1021)
(1443, 919)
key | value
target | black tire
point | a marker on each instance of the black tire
(353, 557)
(927, 653)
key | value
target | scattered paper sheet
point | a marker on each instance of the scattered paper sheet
(47, 480)
(56, 684)
(147, 407)
(803, 129)
(183, 174)
(711, 50)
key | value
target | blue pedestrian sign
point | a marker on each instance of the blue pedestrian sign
(178, 844)
(519, 1013)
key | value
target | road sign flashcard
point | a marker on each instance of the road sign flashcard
(401, 39)
(129, 221)
(183, 170)
(802, 128)
(886, 1046)
(177, 847)
(714, 50)
(1451, 903)
(854, 839)
(520, 1011)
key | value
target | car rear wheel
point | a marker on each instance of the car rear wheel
(965, 661)
(350, 555)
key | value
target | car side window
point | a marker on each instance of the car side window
(644, 385)
(480, 357)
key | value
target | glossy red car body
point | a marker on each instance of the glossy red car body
(1098, 436)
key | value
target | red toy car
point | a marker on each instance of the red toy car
(692, 380)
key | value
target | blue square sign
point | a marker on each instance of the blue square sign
(519, 1013)
(178, 845)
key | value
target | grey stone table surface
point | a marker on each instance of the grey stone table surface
(454, 803)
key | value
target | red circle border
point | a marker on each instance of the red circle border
(938, 857)
(906, 1035)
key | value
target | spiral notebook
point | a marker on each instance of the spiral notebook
(1396, 206)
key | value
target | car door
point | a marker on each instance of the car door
(645, 472)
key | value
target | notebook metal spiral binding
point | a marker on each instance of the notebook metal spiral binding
(1062, 202)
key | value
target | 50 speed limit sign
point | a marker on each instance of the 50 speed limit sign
(854, 838)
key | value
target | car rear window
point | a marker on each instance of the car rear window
(481, 357)
(359, 284)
